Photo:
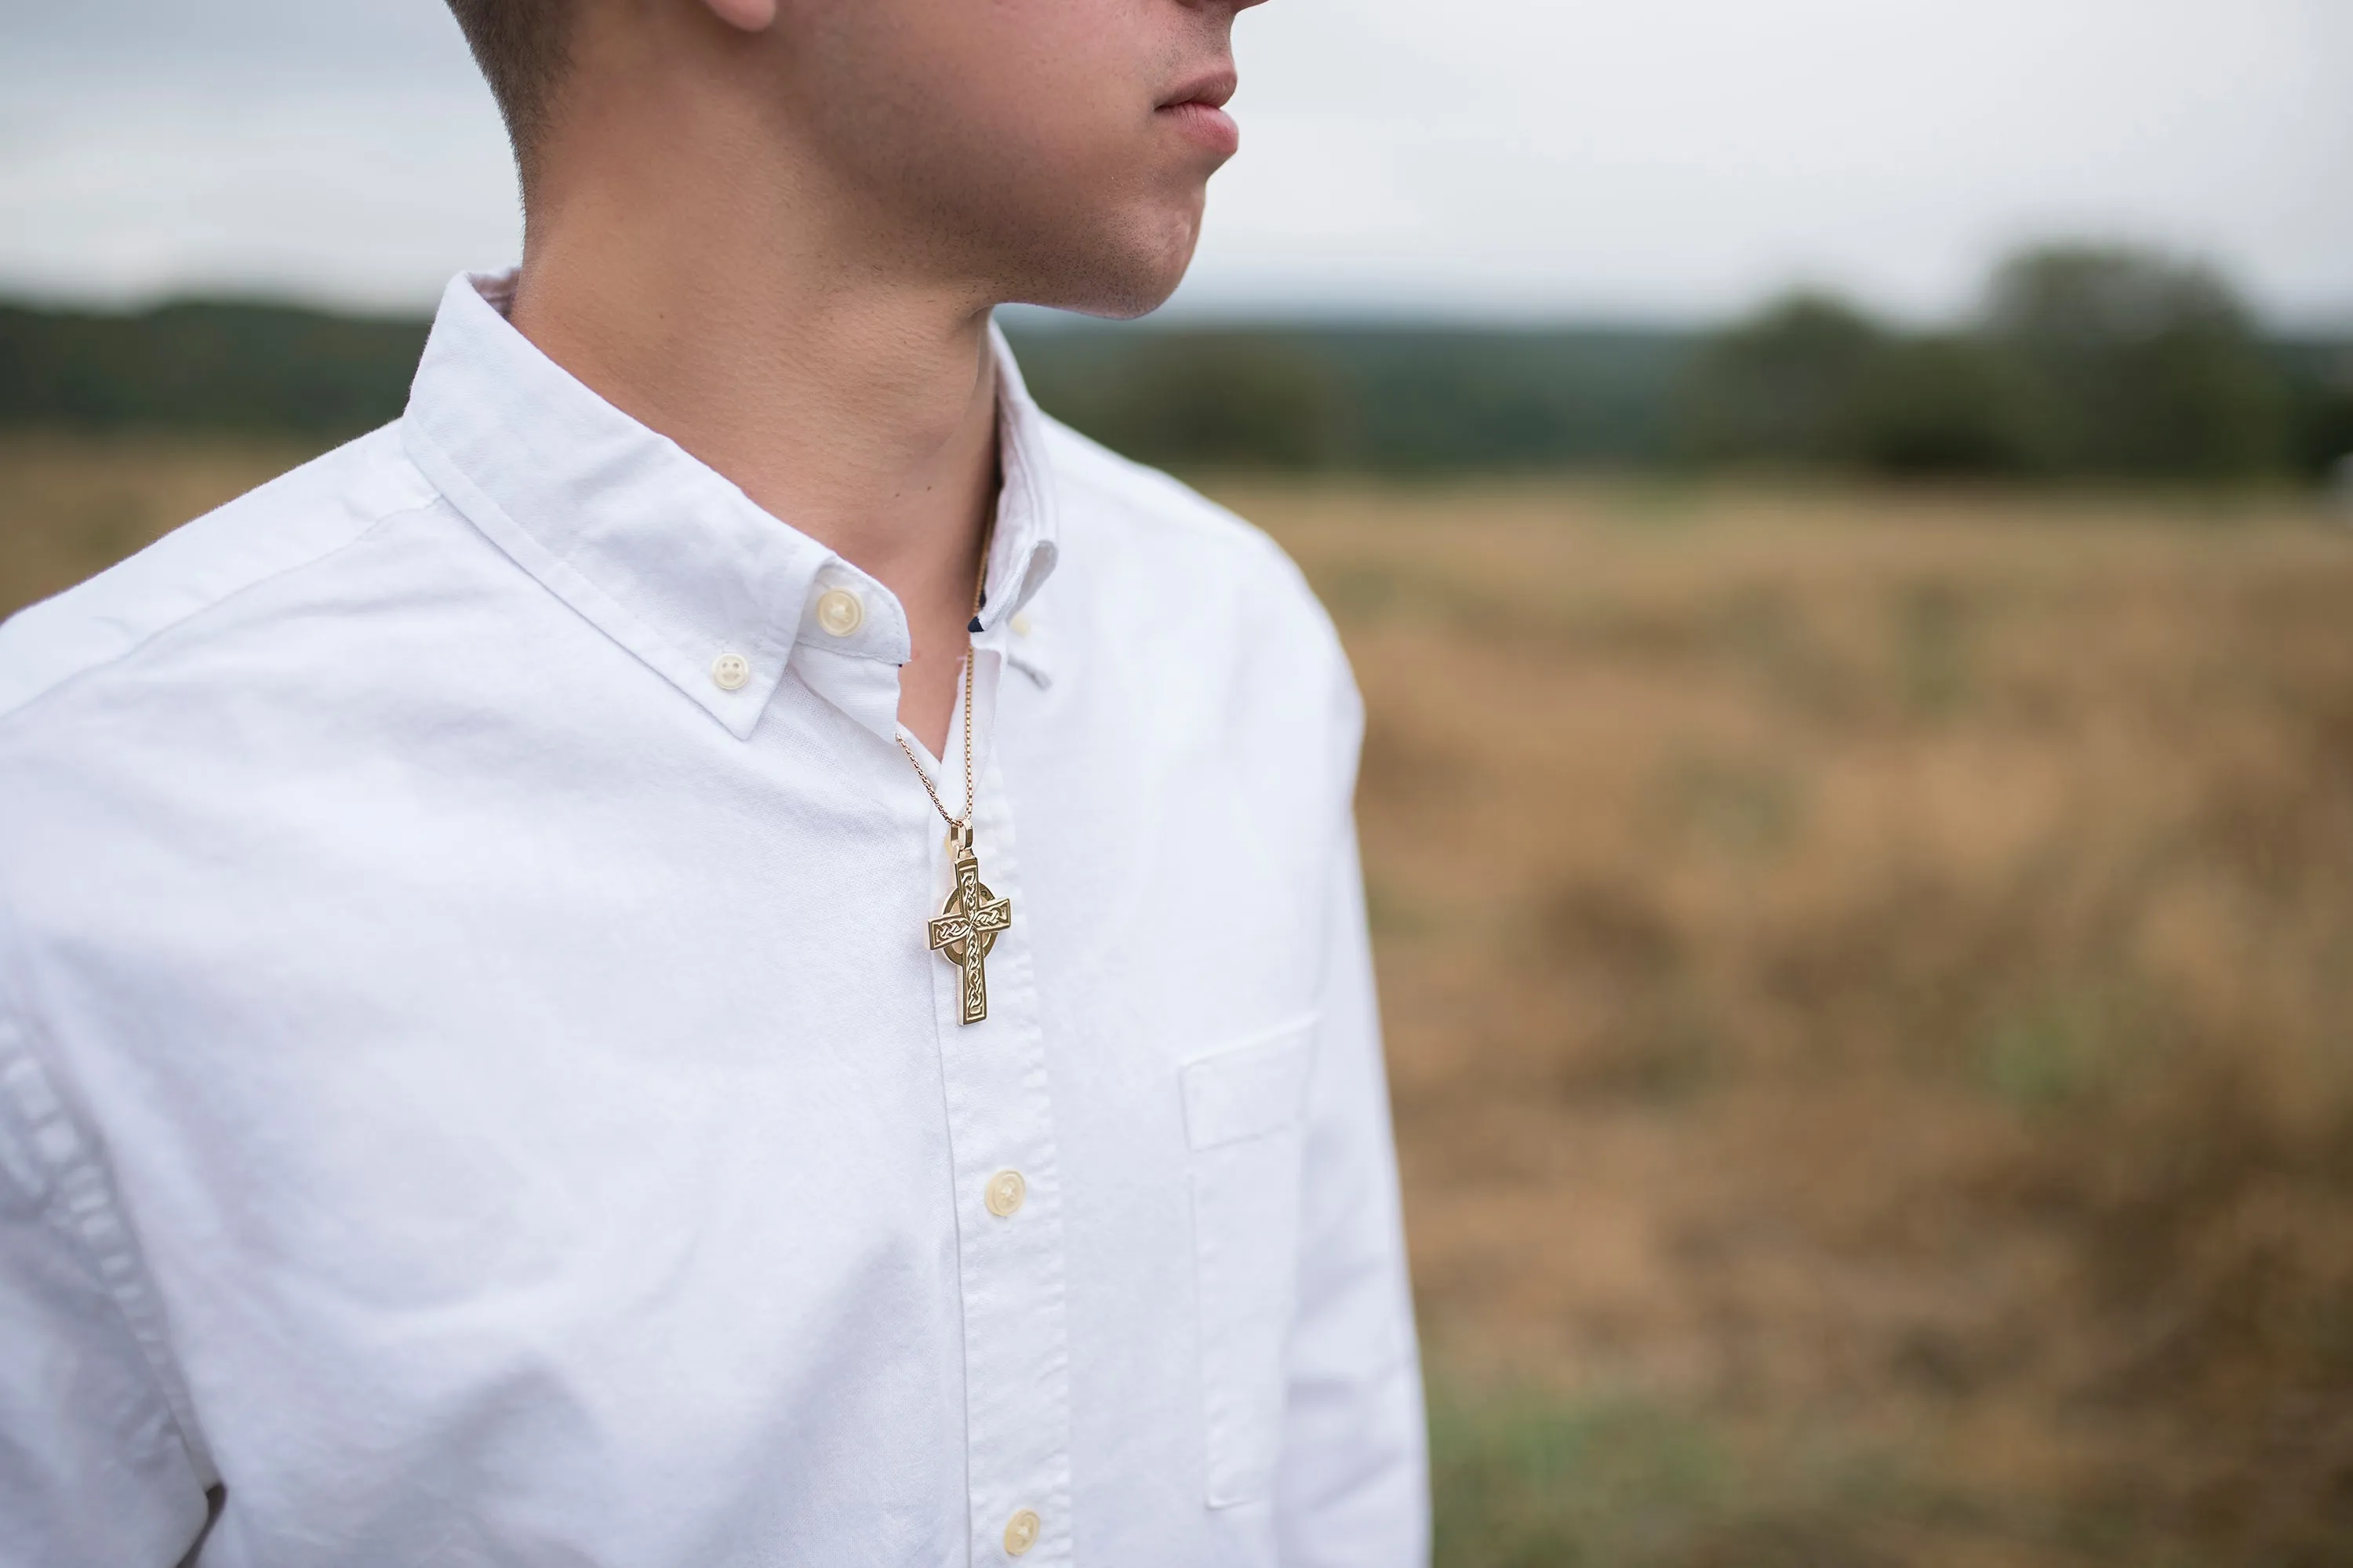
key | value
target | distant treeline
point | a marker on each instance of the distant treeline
(262, 368)
(2084, 361)
(1381, 397)
(1396, 399)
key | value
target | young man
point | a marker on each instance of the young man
(724, 946)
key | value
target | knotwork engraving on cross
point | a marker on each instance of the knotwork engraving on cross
(968, 924)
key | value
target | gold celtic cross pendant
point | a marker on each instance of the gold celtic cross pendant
(969, 924)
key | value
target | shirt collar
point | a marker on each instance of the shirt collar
(1028, 532)
(663, 554)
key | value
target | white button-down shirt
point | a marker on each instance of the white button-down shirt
(474, 1084)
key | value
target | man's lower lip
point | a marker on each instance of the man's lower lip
(1208, 124)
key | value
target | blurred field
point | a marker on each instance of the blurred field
(1869, 978)
(1870, 981)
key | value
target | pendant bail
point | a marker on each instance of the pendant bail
(959, 838)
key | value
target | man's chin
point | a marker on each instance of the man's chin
(1112, 305)
(1117, 282)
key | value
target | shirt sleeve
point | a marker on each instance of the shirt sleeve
(95, 1462)
(1352, 1486)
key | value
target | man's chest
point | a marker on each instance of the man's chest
(619, 1118)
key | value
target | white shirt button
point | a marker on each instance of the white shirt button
(1006, 1191)
(1022, 1532)
(838, 611)
(1021, 623)
(730, 670)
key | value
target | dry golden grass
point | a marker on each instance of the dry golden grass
(1876, 970)
(1870, 982)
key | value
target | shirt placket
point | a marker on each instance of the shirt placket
(1008, 1199)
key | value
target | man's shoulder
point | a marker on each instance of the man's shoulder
(292, 522)
(1177, 515)
(1174, 541)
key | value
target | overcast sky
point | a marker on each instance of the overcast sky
(1662, 159)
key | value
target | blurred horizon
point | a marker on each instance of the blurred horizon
(2084, 361)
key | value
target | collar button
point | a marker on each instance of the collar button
(730, 670)
(838, 611)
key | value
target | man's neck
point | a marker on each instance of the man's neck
(857, 407)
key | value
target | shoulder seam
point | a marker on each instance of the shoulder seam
(80, 672)
(1188, 507)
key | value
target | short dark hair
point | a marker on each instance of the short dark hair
(521, 45)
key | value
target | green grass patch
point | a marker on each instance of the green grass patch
(1524, 1481)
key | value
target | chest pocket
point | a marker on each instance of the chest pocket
(1245, 1119)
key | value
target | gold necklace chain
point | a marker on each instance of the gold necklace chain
(960, 824)
(972, 917)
